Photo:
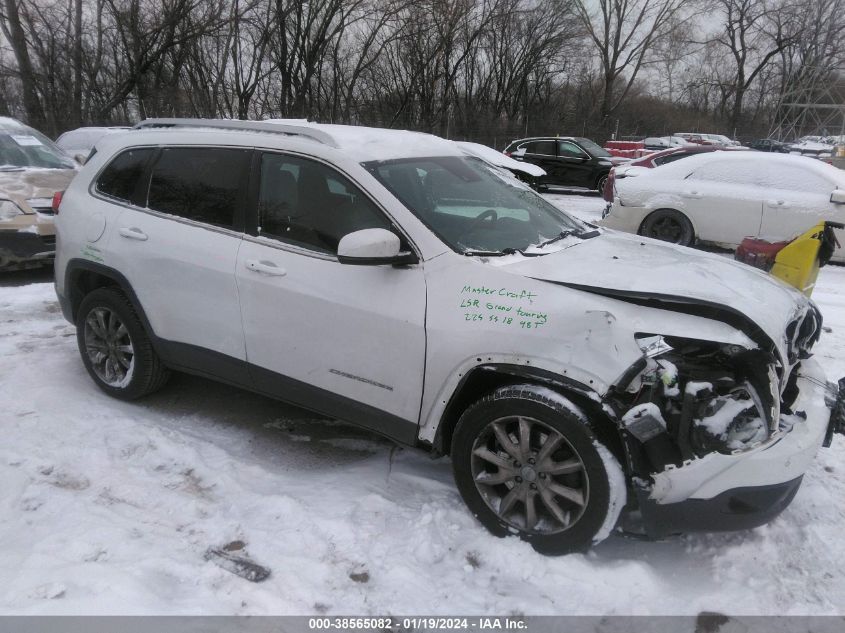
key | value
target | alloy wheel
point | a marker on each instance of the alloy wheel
(530, 475)
(109, 347)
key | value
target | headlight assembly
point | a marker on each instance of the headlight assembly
(9, 211)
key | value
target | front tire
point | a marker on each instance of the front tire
(668, 225)
(526, 463)
(115, 348)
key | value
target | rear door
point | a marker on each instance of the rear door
(345, 340)
(724, 200)
(796, 200)
(544, 154)
(179, 254)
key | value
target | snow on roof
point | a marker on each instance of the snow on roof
(372, 143)
(682, 168)
(490, 155)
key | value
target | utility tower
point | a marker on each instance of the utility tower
(814, 105)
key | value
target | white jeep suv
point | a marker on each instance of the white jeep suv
(389, 279)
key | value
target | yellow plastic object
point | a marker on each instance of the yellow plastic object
(797, 263)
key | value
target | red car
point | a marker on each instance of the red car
(656, 159)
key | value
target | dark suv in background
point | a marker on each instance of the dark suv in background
(568, 161)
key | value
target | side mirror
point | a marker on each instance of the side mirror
(519, 153)
(80, 158)
(838, 196)
(372, 247)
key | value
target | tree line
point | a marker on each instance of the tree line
(485, 70)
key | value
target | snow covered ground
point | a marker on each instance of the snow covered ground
(108, 507)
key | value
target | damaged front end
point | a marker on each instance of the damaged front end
(690, 410)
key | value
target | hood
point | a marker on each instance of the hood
(490, 155)
(676, 278)
(33, 183)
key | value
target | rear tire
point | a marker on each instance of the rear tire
(531, 450)
(668, 225)
(600, 183)
(115, 348)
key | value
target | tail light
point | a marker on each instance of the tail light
(607, 192)
(57, 201)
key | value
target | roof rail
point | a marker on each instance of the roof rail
(245, 126)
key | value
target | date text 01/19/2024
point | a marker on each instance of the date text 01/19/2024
(501, 306)
(432, 623)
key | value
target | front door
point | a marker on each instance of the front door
(576, 163)
(344, 340)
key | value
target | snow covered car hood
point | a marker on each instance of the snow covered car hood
(661, 275)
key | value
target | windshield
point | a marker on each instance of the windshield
(594, 148)
(24, 147)
(474, 207)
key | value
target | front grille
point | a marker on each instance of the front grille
(49, 240)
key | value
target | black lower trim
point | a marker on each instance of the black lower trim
(25, 245)
(735, 509)
(210, 364)
(333, 405)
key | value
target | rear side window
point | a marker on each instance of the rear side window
(671, 158)
(121, 178)
(199, 183)
(544, 148)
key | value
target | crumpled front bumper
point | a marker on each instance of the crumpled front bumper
(742, 490)
(23, 245)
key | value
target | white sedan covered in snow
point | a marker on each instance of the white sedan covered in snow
(722, 197)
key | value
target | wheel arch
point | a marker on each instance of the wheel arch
(486, 378)
(689, 219)
(83, 276)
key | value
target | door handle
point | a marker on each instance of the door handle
(133, 233)
(265, 268)
(778, 204)
(691, 194)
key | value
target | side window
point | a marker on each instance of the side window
(671, 158)
(734, 172)
(544, 148)
(805, 180)
(309, 204)
(570, 150)
(199, 183)
(121, 178)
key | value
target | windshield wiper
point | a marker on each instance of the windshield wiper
(473, 253)
(560, 236)
(12, 168)
(584, 235)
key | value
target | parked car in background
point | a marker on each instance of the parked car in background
(768, 145)
(721, 139)
(79, 143)
(663, 142)
(385, 278)
(651, 161)
(815, 146)
(723, 197)
(524, 171)
(568, 161)
(32, 170)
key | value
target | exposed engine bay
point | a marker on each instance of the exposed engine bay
(686, 398)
